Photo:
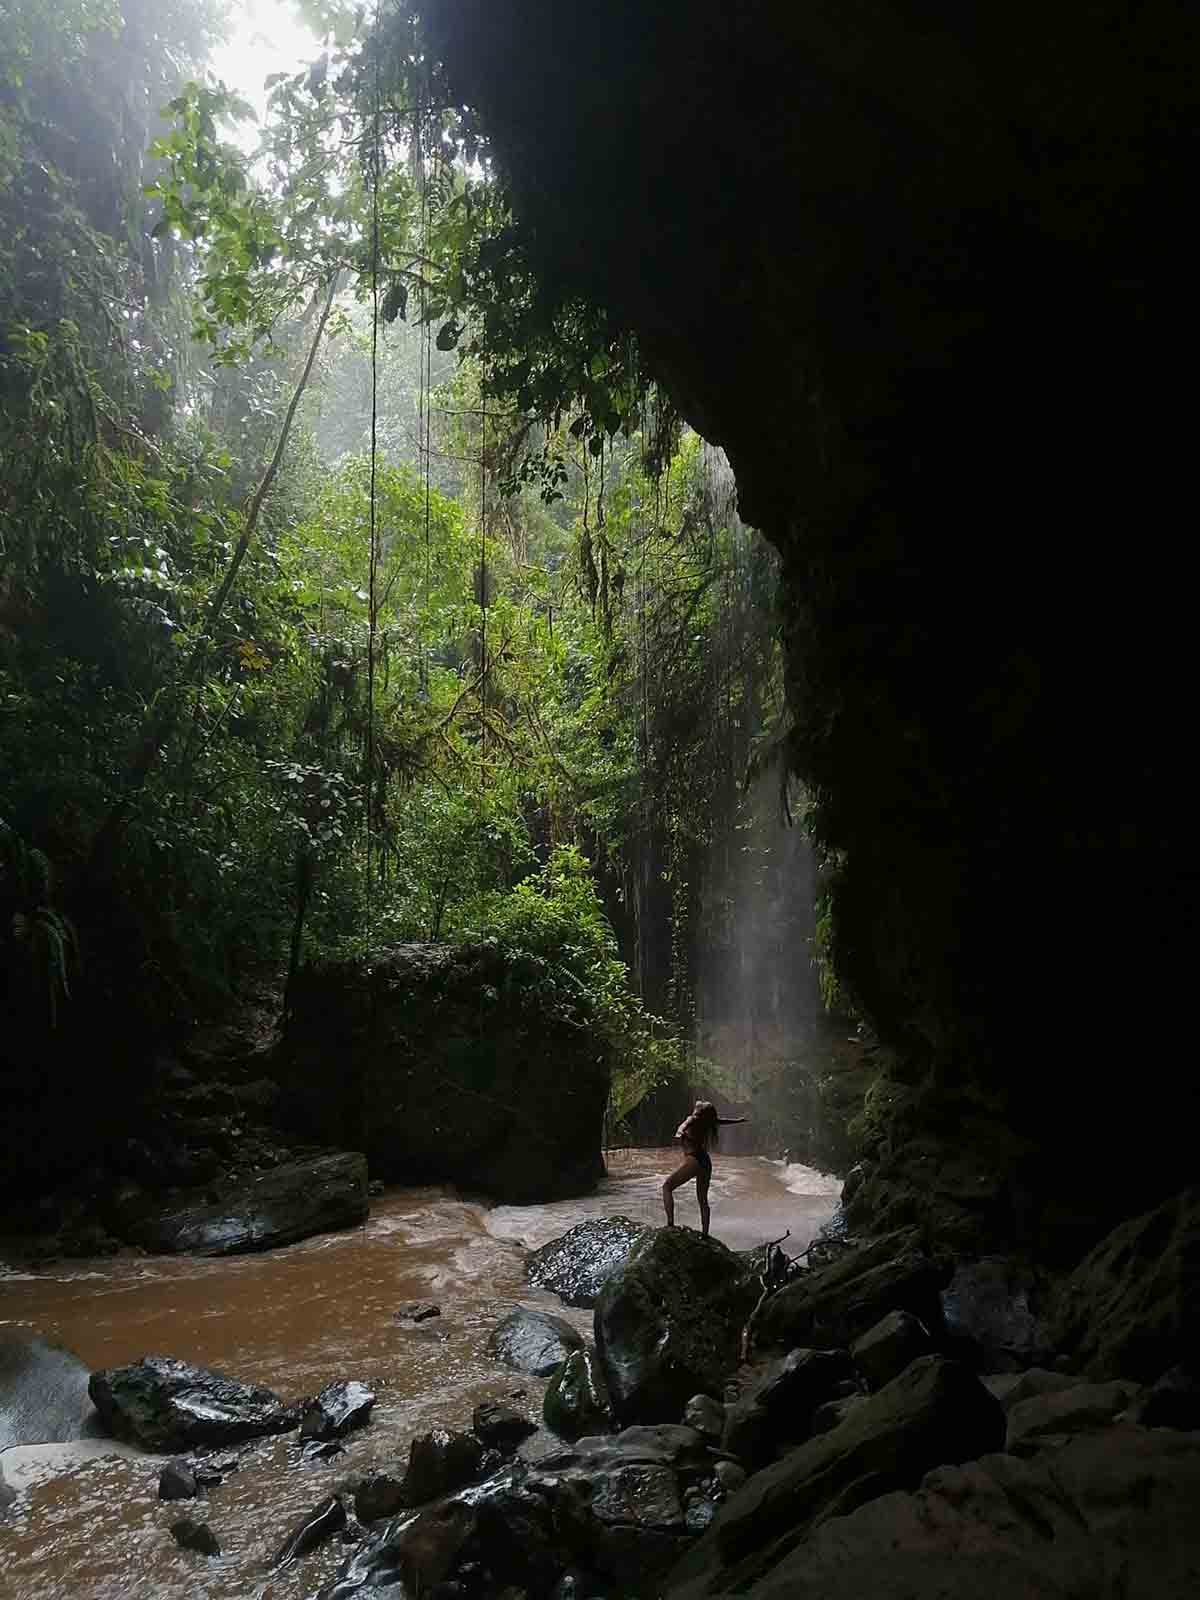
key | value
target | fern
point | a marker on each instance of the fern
(45, 938)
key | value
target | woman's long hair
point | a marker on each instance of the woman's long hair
(704, 1115)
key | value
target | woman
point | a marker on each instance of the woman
(695, 1133)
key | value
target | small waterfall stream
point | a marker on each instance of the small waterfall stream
(87, 1524)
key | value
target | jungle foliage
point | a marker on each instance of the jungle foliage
(266, 692)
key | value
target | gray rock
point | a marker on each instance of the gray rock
(339, 1408)
(1131, 1308)
(379, 1495)
(438, 1463)
(935, 1412)
(259, 1212)
(417, 1311)
(1174, 1401)
(778, 1408)
(831, 1308)
(576, 1401)
(706, 1415)
(322, 1522)
(163, 1405)
(575, 1266)
(1109, 1514)
(7, 1493)
(994, 1307)
(177, 1481)
(197, 1536)
(730, 1476)
(668, 1323)
(43, 1392)
(834, 1412)
(533, 1341)
(699, 1515)
(322, 1450)
(1011, 1388)
(1082, 1407)
(883, 1352)
(499, 1426)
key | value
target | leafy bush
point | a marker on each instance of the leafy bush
(556, 934)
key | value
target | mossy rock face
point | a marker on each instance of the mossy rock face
(1131, 1308)
(577, 1400)
(669, 1322)
(454, 1066)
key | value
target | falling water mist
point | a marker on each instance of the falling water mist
(764, 1039)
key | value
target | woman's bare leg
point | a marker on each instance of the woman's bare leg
(702, 1179)
(689, 1169)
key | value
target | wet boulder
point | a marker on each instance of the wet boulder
(778, 1408)
(669, 1322)
(340, 1407)
(706, 1415)
(1111, 1513)
(257, 1212)
(177, 1481)
(1131, 1308)
(439, 1462)
(7, 1493)
(322, 1522)
(993, 1313)
(883, 1352)
(575, 1266)
(410, 1555)
(576, 1402)
(936, 1412)
(417, 1311)
(380, 1494)
(43, 1392)
(533, 1341)
(832, 1307)
(1078, 1409)
(197, 1536)
(1174, 1401)
(165, 1405)
(501, 1427)
(619, 1502)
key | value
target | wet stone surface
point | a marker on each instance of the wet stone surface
(575, 1266)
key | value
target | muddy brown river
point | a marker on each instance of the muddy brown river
(87, 1524)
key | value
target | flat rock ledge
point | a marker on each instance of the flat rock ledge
(259, 1212)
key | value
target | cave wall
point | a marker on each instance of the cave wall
(918, 269)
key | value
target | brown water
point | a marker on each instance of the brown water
(88, 1525)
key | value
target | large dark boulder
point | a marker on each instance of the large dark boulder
(457, 1064)
(1110, 1514)
(1131, 1308)
(935, 1412)
(43, 1392)
(835, 1305)
(533, 1341)
(438, 1463)
(575, 1265)
(779, 1406)
(994, 1312)
(169, 1405)
(257, 1212)
(668, 1323)
(576, 1400)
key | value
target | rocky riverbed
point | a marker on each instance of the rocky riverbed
(884, 1420)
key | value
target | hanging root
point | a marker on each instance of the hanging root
(777, 1267)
